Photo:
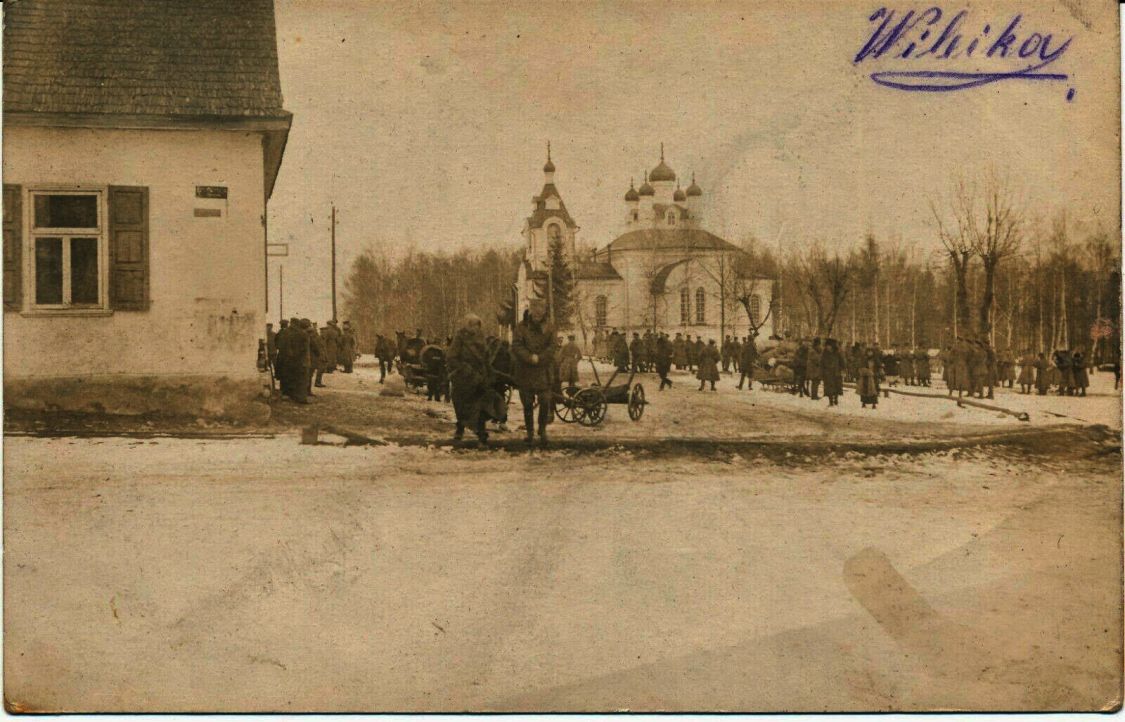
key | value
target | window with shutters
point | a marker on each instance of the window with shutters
(700, 298)
(67, 250)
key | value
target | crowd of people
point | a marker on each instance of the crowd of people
(299, 354)
(476, 372)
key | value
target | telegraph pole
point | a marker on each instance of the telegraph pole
(281, 292)
(333, 261)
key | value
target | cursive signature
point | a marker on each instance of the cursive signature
(932, 37)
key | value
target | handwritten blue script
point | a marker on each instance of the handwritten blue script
(940, 42)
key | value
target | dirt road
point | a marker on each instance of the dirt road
(258, 574)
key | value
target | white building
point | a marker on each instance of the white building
(664, 271)
(137, 167)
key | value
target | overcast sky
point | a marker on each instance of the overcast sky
(426, 123)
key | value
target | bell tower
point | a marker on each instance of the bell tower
(549, 222)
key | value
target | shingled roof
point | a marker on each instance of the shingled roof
(203, 58)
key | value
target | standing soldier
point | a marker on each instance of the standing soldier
(746, 363)
(800, 366)
(650, 350)
(832, 370)
(1027, 372)
(906, 367)
(277, 361)
(867, 383)
(330, 335)
(708, 364)
(662, 359)
(1081, 376)
(385, 352)
(1042, 379)
(568, 362)
(736, 353)
(470, 372)
(347, 347)
(699, 346)
(812, 368)
(620, 352)
(317, 357)
(922, 367)
(533, 345)
(293, 351)
(724, 352)
(636, 351)
(679, 352)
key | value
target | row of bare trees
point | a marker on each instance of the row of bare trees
(427, 291)
(1026, 284)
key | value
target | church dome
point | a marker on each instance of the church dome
(679, 196)
(549, 167)
(631, 194)
(662, 173)
(693, 189)
(646, 190)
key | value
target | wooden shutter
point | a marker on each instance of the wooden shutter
(128, 248)
(13, 248)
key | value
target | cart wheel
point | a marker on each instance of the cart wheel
(636, 402)
(566, 408)
(593, 404)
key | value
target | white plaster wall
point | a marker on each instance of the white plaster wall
(207, 282)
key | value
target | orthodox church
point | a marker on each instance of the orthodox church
(663, 271)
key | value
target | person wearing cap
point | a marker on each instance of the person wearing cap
(569, 357)
(533, 348)
(470, 373)
(708, 360)
(293, 361)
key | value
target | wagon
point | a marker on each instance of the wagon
(420, 364)
(588, 405)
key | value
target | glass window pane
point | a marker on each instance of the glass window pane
(66, 211)
(48, 270)
(84, 270)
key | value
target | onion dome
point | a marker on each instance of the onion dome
(679, 196)
(550, 166)
(662, 172)
(646, 190)
(693, 189)
(631, 194)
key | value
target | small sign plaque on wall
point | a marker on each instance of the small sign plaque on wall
(211, 192)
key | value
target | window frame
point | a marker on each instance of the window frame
(700, 307)
(685, 306)
(601, 311)
(32, 234)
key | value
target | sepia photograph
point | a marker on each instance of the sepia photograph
(483, 356)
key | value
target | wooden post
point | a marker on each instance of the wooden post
(333, 261)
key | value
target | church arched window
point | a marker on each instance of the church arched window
(755, 309)
(685, 307)
(601, 311)
(671, 218)
(700, 299)
(554, 233)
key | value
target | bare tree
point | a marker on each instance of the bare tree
(825, 282)
(957, 239)
(994, 238)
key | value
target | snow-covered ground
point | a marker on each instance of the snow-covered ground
(259, 574)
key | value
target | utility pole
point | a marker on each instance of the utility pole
(281, 292)
(333, 261)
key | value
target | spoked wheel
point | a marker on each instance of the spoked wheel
(636, 402)
(593, 404)
(566, 408)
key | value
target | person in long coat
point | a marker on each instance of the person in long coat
(832, 365)
(679, 352)
(1081, 376)
(1065, 372)
(812, 369)
(469, 365)
(868, 379)
(347, 347)
(1042, 375)
(736, 354)
(568, 362)
(533, 349)
(663, 360)
(1027, 373)
(636, 352)
(708, 358)
(330, 337)
(906, 367)
(922, 367)
(620, 352)
(318, 358)
(746, 363)
(293, 361)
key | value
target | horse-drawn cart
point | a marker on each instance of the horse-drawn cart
(421, 364)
